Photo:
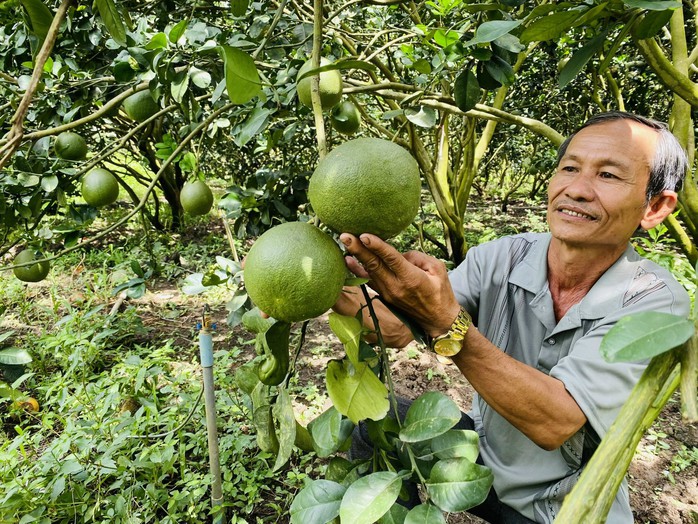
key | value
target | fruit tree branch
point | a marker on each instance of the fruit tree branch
(667, 74)
(44, 53)
(447, 104)
(315, 80)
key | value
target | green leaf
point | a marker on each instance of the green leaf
(489, 31)
(457, 443)
(241, 76)
(112, 20)
(158, 41)
(579, 59)
(348, 331)
(40, 17)
(457, 484)
(500, 70)
(653, 5)
(178, 30)
(425, 514)
(423, 116)
(317, 503)
(254, 322)
(395, 515)
(549, 27)
(254, 124)
(329, 432)
(179, 86)
(466, 91)
(276, 338)
(429, 416)
(283, 413)
(651, 24)
(7, 334)
(199, 77)
(49, 183)
(239, 7)
(14, 357)
(356, 391)
(645, 335)
(123, 72)
(370, 497)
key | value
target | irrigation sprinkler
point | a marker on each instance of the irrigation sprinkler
(206, 351)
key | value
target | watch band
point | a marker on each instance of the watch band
(450, 343)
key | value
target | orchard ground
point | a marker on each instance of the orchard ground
(662, 477)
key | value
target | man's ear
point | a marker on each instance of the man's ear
(658, 209)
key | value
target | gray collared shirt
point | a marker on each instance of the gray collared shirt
(503, 285)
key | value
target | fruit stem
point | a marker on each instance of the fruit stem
(385, 363)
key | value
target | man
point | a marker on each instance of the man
(540, 305)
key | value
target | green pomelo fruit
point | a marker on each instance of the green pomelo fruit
(294, 272)
(34, 273)
(366, 185)
(346, 118)
(330, 86)
(196, 198)
(70, 146)
(140, 106)
(99, 188)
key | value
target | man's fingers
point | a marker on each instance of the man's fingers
(371, 264)
(356, 268)
(386, 256)
(425, 262)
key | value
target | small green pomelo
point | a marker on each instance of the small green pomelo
(70, 146)
(294, 271)
(140, 106)
(366, 185)
(33, 273)
(196, 198)
(330, 86)
(346, 118)
(99, 187)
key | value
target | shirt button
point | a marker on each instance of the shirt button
(551, 341)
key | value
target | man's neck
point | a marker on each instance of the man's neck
(572, 271)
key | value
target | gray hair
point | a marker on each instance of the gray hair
(670, 163)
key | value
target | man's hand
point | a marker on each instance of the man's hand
(415, 283)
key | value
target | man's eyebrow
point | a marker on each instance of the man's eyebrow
(605, 162)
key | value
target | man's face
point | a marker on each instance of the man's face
(597, 195)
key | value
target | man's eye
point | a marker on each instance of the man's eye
(605, 174)
(569, 169)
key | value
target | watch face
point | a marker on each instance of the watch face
(447, 347)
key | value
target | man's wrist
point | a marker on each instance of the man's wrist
(451, 342)
(444, 327)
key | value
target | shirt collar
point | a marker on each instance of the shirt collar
(604, 297)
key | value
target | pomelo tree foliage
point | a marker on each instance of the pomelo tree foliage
(470, 88)
(437, 77)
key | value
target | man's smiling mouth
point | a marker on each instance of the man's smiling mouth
(571, 213)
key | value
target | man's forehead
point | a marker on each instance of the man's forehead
(617, 142)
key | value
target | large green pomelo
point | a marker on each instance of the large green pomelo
(70, 146)
(330, 86)
(294, 271)
(366, 185)
(140, 106)
(196, 198)
(33, 273)
(99, 187)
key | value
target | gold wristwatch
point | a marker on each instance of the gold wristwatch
(450, 343)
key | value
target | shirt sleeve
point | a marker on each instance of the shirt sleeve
(600, 388)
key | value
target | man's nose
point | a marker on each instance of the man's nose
(581, 186)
